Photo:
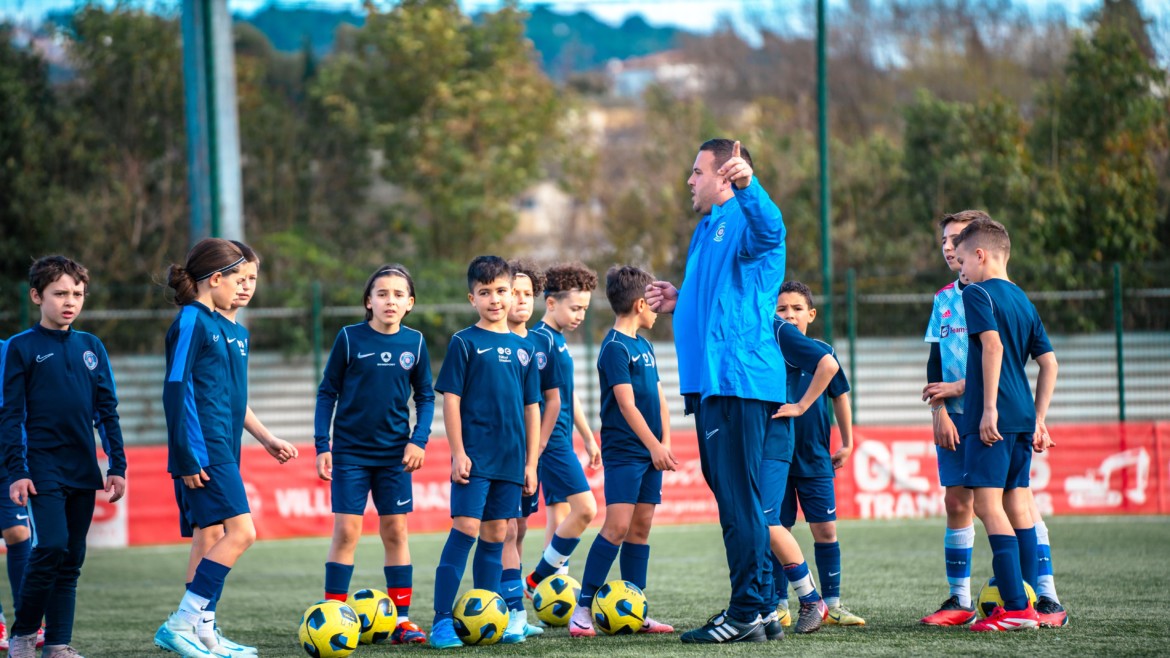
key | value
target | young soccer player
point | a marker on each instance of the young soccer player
(946, 377)
(1001, 424)
(567, 293)
(810, 478)
(635, 442)
(527, 279)
(200, 399)
(57, 386)
(369, 379)
(491, 396)
(243, 418)
(14, 529)
(801, 355)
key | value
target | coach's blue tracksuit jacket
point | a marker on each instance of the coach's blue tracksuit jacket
(57, 386)
(723, 319)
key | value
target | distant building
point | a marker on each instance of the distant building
(669, 68)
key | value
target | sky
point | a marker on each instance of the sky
(694, 15)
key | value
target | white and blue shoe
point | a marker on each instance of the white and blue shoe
(179, 637)
(233, 646)
(514, 633)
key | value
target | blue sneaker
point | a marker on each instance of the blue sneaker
(443, 634)
(532, 631)
(179, 637)
(514, 633)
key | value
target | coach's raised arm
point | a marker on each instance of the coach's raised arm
(731, 371)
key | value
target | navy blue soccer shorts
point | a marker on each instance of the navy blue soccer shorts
(951, 466)
(390, 485)
(633, 483)
(222, 497)
(486, 500)
(773, 479)
(11, 514)
(530, 504)
(816, 497)
(560, 474)
(1004, 464)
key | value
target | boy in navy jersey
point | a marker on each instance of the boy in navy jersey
(567, 292)
(635, 444)
(14, 528)
(946, 376)
(802, 355)
(527, 279)
(491, 396)
(1001, 424)
(57, 386)
(374, 368)
(810, 478)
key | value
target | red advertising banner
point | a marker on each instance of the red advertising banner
(1095, 469)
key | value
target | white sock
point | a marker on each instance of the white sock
(564, 568)
(205, 629)
(191, 607)
(555, 558)
(1046, 583)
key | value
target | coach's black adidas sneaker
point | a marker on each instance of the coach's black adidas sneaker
(722, 629)
(773, 629)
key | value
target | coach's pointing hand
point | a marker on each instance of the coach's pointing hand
(736, 170)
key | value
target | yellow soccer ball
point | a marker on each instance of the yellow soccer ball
(377, 614)
(555, 599)
(989, 598)
(481, 617)
(329, 629)
(619, 608)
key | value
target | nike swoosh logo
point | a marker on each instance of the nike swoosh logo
(712, 433)
(830, 511)
(562, 348)
(198, 647)
(22, 517)
(403, 502)
(635, 359)
(401, 597)
(231, 340)
(767, 511)
(513, 589)
(41, 359)
(831, 574)
(486, 349)
(362, 356)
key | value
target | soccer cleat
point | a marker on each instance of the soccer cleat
(22, 646)
(784, 616)
(176, 636)
(530, 584)
(950, 613)
(1051, 613)
(3, 636)
(655, 626)
(41, 636)
(408, 632)
(233, 646)
(812, 615)
(721, 629)
(581, 623)
(64, 651)
(514, 633)
(773, 629)
(840, 616)
(443, 634)
(530, 630)
(1008, 620)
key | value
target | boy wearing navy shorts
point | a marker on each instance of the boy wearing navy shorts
(1001, 424)
(491, 395)
(57, 386)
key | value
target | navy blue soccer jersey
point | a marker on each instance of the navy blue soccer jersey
(801, 354)
(1001, 306)
(560, 364)
(550, 377)
(56, 387)
(197, 393)
(494, 377)
(237, 338)
(812, 456)
(369, 379)
(626, 360)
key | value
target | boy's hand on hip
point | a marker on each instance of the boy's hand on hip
(20, 491)
(116, 487)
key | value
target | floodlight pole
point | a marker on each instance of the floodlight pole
(213, 135)
(823, 156)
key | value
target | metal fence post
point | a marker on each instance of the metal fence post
(851, 328)
(1119, 334)
(318, 330)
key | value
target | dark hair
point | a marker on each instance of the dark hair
(394, 269)
(722, 148)
(800, 288)
(529, 269)
(48, 269)
(208, 257)
(963, 216)
(560, 280)
(986, 233)
(249, 253)
(485, 269)
(624, 286)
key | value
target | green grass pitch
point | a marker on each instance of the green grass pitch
(1111, 572)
